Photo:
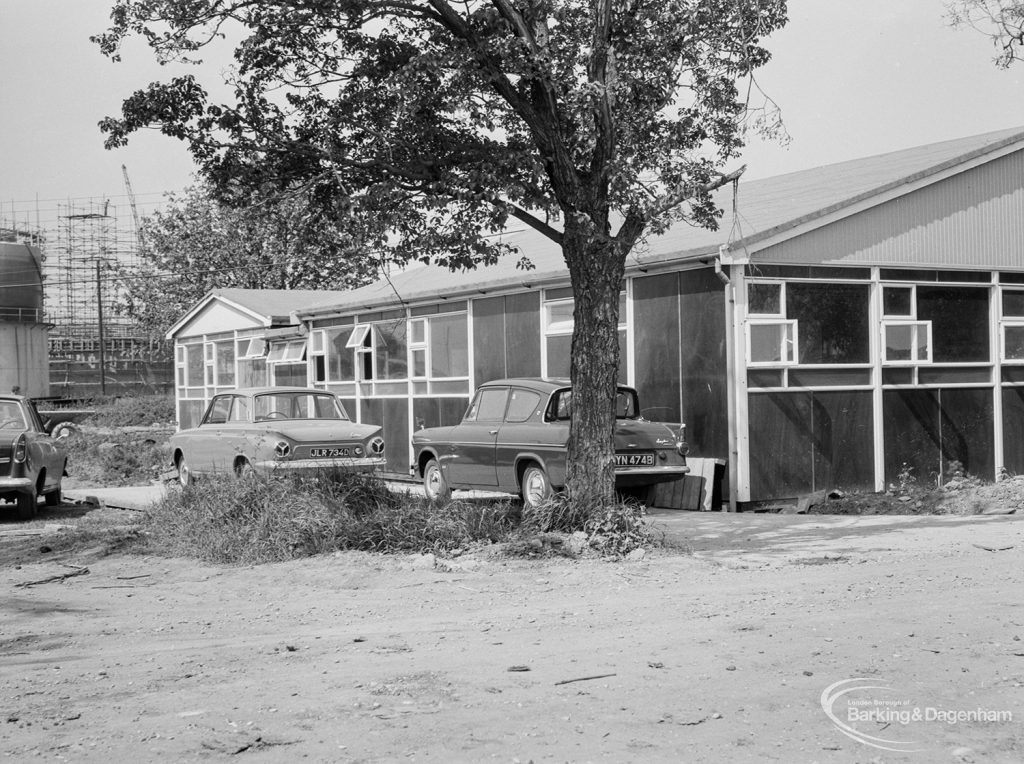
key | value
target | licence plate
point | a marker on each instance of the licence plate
(634, 460)
(329, 453)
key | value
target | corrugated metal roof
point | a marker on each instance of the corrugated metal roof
(765, 208)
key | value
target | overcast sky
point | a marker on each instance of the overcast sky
(853, 78)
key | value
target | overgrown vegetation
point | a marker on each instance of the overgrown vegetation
(270, 518)
(132, 411)
(263, 518)
(116, 458)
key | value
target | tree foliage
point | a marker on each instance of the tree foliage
(1002, 21)
(197, 243)
(430, 123)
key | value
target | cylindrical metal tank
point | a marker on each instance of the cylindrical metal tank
(24, 362)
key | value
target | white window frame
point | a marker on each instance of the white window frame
(1016, 323)
(793, 341)
(357, 340)
(317, 349)
(913, 360)
(292, 351)
(257, 348)
(421, 347)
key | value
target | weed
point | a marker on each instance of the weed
(132, 411)
(116, 458)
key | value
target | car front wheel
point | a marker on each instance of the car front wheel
(434, 483)
(536, 486)
(184, 472)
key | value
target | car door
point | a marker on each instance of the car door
(50, 452)
(518, 434)
(206, 450)
(471, 456)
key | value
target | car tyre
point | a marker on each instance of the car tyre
(185, 476)
(53, 498)
(27, 505)
(536, 487)
(244, 469)
(435, 485)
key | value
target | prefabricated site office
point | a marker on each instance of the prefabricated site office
(846, 324)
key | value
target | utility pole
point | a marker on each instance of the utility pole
(99, 316)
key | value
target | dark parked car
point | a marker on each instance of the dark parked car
(32, 462)
(275, 428)
(514, 438)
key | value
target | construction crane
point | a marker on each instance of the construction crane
(135, 211)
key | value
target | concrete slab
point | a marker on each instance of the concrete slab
(136, 497)
(743, 539)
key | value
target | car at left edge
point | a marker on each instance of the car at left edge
(32, 461)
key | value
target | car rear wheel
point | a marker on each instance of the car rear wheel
(27, 505)
(185, 476)
(536, 487)
(435, 486)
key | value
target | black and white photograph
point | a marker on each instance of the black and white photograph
(512, 380)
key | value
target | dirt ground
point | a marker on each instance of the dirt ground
(717, 648)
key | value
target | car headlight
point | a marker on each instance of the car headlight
(282, 449)
(377, 446)
(358, 450)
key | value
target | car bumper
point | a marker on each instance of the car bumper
(17, 485)
(667, 472)
(312, 465)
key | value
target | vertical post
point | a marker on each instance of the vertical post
(99, 316)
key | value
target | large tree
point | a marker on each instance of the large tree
(596, 122)
(198, 242)
(1002, 21)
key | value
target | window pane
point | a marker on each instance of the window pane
(391, 351)
(559, 349)
(764, 298)
(341, 366)
(218, 413)
(899, 342)
(194, 365)
(449, 346)
(559, 316)
(766, 343)
(239, 409)
(417, 331)
(1014, 342)
(419, 364)
(832, 321)
(896, 301)
(959, 316)
(252, 372)
(226, 363)
(1013, 303)
(522, 405)
(290, 374)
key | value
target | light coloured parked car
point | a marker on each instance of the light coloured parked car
(275, 428)
(514, 438)
(32, 462)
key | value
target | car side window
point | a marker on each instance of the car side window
(218, 413)
(488, 406)
(521, 405)
(239, 409)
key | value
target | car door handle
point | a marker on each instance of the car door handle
(492, 432)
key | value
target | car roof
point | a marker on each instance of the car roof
(540, 384)
(261, 390)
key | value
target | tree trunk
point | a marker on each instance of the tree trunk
(596, 269)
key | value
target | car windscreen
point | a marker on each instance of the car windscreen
(297, 406)
(11, 416)
(626, 405)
